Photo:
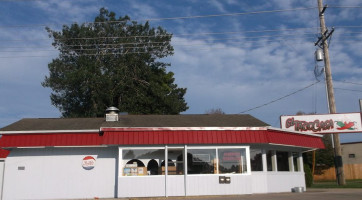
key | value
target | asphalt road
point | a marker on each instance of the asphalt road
(311, 194)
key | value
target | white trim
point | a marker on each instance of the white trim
(182, 128)
(40, 147)
(295, 132)
(141, 147)
(103, 145)
(288, 145)
(50, 131)
(37, 147)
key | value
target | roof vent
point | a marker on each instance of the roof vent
(112, 114)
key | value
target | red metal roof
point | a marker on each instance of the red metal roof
(4, 153)
(112, 136)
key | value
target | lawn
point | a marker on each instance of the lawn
(333, 184)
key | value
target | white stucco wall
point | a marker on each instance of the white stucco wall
(2, 165)
(274, 182)
(57, 173)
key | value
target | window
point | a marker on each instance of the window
(352, 155)
(175, 161)
(295, 161)
(232, 161)
(201, 161)
(256, 160)
(142, 162)
(282, 161)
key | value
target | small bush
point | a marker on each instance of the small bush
(308, 176)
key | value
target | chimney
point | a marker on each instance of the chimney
(112, 114)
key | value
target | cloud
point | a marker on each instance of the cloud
(67, 11)
(233, 78)
(142, 10)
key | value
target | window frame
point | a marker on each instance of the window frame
(121, 162)
(247, 158)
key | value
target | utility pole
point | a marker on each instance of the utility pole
(330, 94)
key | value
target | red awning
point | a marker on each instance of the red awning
(4, 153)
(162, 137)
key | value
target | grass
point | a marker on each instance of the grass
(333, 184)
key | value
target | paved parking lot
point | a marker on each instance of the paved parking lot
(311, 194)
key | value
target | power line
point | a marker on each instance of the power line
(278, 99)
(344, 6)
(231, 14)
(110, 53)
(348, 82)
(273, 37)
(172, 18)
(179, 35)
(195, 34)
(348, 89)
(145, 47)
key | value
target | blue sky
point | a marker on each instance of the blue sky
(238, 55)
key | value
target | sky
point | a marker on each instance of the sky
(242, 56)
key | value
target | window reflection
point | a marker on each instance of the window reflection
(256, 160)
(232, 161)
(142, 162)
(282, 161)
(201, 161)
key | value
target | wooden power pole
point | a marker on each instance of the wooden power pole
(330, 94)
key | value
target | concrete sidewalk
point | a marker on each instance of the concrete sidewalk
(311, 194)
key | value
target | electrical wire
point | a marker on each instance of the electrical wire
(348, 89)
(176, 43)
(348, 82)
(344, 6)
(176, 35)
(278, 99)
(172, 18)
(143, 48)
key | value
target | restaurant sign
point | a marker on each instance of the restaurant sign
(329, 123)
(88, 162)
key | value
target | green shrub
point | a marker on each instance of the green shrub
(308, 176)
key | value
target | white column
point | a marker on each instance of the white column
(120, 163)
(274, 161)
(300, 162)
(185, 168)
(263, 156)
(248, 164)
(166, 169)
(290, 161)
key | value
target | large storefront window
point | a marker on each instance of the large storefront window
(232, 161)
(142, 162)
(201, 161)
(209, 160)
(256, 160)
(282, 161)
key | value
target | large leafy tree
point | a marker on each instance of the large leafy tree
(113, 62)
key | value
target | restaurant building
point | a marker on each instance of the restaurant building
(150, 156)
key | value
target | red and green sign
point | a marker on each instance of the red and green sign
(331, 123)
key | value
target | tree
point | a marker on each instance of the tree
(112, 62)
(324, 158)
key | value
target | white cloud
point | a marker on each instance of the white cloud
(67, 11)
